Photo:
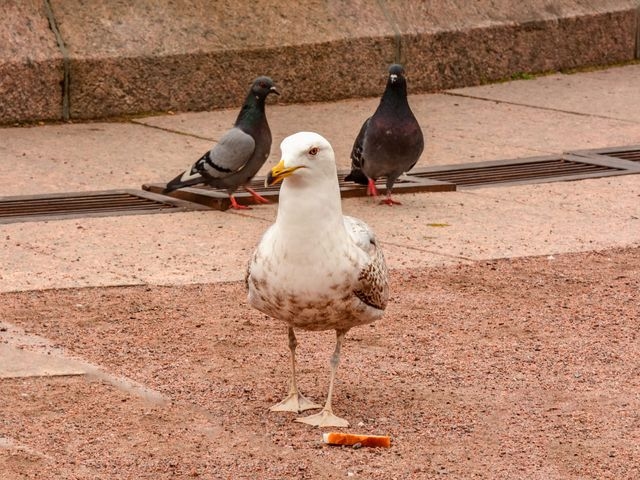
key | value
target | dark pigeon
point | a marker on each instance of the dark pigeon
(390, 142)
(239, 154)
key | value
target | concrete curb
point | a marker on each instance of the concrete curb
(68, 60)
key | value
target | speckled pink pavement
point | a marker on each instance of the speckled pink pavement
(508, 350)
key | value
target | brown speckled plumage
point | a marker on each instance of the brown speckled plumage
(373, 289)
(351, 297)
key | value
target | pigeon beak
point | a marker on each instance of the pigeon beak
(273, 90)
(278, 173)
(393, 77)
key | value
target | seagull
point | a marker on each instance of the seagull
(390, 142)
(314, 268)
(239, 154)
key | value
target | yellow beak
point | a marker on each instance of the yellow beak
(278, 173)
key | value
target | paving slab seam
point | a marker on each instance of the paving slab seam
(170, 130)
(254, 217)
(638, 31)
(9, 443)
(16, 337)
(567, 207)
(426, 250)
(66, 109)
(397, 34)
(136, 279)
(516, 201)
(537, 107)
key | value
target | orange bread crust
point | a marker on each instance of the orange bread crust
(339, 438)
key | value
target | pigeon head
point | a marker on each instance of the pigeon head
(304, 154)
(263, 86)
(396, 74)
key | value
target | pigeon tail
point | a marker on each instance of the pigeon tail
(356, 175)
(181, 182)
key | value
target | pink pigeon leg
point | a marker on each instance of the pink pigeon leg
(256, 196)
(236, 206)
(371, 188)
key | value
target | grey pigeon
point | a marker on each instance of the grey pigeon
(239, 154)
(390, 142)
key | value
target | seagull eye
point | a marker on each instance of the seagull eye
(314, 151)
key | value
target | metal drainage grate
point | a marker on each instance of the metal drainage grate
(90, 204)
(570, 166)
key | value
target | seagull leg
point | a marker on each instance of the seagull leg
(235, 205)
(295, 401)
(257, 197)
(326, 418)
(372, 191)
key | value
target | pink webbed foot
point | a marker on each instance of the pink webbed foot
(389, 201)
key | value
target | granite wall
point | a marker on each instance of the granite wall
(81, 59)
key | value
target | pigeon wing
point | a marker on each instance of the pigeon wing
(357, 160)
(228, 156)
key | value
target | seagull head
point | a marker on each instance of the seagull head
(263, 86)
(304, 154)
(396, 74)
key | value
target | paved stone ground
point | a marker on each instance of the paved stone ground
(514, 368)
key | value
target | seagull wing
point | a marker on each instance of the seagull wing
(373, 279)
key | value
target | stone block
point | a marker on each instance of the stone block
(31, 66)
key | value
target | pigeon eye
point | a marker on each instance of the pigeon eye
(263, 85)
(314, 151)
